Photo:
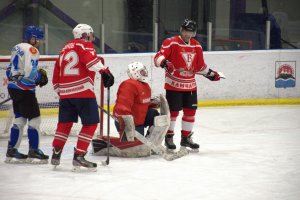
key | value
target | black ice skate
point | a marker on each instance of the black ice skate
(79, 161)
(36, 156)
(14, 156)
(55, 160)
(169, 142)
(188, 142)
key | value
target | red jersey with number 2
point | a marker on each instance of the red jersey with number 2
(72, 77)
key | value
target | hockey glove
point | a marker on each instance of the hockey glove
(155, 102)
(168, 66)
(107, 78)
(213, 75)
(44, 79)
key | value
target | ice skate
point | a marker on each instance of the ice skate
(55, 160)
(36, 156)
(187, 141)
(79, 161)
(14, 156)
(169, 143)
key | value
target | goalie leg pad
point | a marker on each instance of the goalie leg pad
(158, 131)
(164, 106)
(129, 127)
(133, 149)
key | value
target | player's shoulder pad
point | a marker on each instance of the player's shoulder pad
(169, 41)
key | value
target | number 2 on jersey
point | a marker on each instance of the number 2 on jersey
(70, 68)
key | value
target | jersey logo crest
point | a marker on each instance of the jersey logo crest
(33, 50)
(188, 57)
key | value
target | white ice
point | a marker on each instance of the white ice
(246, 153)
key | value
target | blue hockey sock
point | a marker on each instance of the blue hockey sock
(33, 137)
(14, 136)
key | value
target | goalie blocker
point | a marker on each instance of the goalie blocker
(133, 144)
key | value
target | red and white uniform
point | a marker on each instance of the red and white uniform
(74, 71)
(186, 58)
(133, 98)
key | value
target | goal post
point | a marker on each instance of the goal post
(47, 99)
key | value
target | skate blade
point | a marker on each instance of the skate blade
(14, 161)
(36, 161)
(83, 169)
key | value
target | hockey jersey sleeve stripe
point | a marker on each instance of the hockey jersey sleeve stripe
(96, 66)
(75, 83)
(92, 62)
(180, 79)
(159, 60)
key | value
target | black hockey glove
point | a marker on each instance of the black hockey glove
(44, 79)
(168, 66)
(107, 78)
(213, 75)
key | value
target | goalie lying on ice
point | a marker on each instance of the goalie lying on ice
(135, 110)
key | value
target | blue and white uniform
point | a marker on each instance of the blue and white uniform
(23, 72)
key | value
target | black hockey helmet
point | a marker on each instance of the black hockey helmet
(189, 25)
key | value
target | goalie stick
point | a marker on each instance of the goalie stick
(159, 149)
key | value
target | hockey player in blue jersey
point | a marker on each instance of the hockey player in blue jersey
(23, 75)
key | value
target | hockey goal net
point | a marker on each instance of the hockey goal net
(47, 98)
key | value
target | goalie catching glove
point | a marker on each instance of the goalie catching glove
(44, 79)
(107, 77)
(213, 75)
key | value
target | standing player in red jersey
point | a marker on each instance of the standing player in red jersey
(182, 57)
(73, 80)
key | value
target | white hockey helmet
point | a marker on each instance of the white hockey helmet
(137, 71)
(82, 31)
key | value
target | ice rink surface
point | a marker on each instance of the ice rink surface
(246, 153)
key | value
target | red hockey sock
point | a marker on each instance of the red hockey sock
(62, 134)
(188, 120)
(174, 115)
(85, 137)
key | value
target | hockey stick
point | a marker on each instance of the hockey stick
(197, 73)
(160, 150)
(108, 126)
(6, 100)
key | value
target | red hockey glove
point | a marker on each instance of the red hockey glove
(213, 75)
(107, 78)
(168, 66)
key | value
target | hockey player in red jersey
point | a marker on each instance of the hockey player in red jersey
(133, 109)
(182, 57)
(73, 80)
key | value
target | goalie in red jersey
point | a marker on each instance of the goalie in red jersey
(73, 80)
(134, 110)
(182, 57)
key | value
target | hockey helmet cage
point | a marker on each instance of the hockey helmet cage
(33, 31)
(82, 29)
(137, 71)
(189, 25)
